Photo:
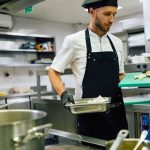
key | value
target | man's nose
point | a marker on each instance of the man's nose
(111, 19)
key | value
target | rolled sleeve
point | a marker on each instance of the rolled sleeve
(64, 56)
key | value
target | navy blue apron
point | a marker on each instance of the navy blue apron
(102, 78)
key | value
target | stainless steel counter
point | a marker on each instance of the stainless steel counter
(24, 99)
(140, 67)
(145, 108)
(18, 95)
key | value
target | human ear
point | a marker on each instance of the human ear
(91, 11)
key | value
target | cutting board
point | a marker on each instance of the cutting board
(129, 81)
(136, 100)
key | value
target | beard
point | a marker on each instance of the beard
(101, 27)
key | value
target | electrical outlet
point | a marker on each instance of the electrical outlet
(6, 74)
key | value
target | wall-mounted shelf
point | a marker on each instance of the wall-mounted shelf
(137, 46)
(136, 42)
(25, 50)
(23, 65)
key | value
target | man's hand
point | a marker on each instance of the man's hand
(66, 97)
(121, 76)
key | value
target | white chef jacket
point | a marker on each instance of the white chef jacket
(74, 50)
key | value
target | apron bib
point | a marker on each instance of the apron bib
(101, 78)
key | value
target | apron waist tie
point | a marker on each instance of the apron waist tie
(114, 105)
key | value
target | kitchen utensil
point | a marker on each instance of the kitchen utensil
(22, 129)
(121, 135)
(82, 106)
(142, 138)
(77, 137)
(145, 148)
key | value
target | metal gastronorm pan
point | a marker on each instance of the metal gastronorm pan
(83, 106)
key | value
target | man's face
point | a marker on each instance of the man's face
(103, 17)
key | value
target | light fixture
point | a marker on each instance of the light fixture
(141, 1)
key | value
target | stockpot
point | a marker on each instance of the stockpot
(22, 129)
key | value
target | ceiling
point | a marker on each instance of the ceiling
(70, 11)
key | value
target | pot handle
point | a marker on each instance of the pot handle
(32, 134)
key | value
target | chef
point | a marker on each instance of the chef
(96, 60)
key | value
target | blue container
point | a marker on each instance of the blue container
(146, 124)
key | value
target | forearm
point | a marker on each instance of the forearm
(56, 81)
(121, 76)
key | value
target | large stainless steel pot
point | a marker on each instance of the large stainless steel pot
(129, 144)
(22, 129)
(68, 147)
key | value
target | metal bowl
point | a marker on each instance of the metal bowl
(67, 147)
(129, 144)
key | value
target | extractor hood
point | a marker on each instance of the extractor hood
(17, 5)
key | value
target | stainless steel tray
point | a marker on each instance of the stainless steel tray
(82, 106)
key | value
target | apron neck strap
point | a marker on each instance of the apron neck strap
(88, 41)
(111, 43)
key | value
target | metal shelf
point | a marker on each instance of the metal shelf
(24, 65)
(23, 95)
(25, 50)
(135, 46)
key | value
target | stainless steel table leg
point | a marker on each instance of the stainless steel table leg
(30, 105)
(137, 124)
(6, 103)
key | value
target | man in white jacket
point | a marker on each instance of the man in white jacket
(96, 59)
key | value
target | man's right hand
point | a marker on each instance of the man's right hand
(67, 97)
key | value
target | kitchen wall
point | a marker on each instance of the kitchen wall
(124, 24)
(52, 29)
(22, 76)
(132, 22)
(146, 4)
